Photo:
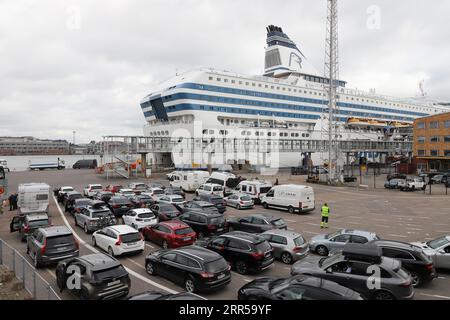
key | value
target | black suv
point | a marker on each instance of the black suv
(205, 224)
(69, 198)
(413, 259)
(216, 200)
(50, 245)
(119, 205)
(104, 196)
(102, 277)
(165, 211)
(77, 205)
(196, 205)
(196, 268)
(142, 200)
(257, 223)
(244, 251)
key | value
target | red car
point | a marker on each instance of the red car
(113, 188)
(170, 234)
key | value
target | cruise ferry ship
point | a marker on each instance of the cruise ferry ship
(288, 102)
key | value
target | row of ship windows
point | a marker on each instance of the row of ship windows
(433, 153)
(433, 125)
(253, 84)
(434, 139)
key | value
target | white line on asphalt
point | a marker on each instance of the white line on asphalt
(289, 220)
(414, 229)
(135, 263)
(442, 277)
(382, 226)
(51, 273)
(248, 280)
(397, 235)
(315, 233)
(135, 274)
(147, 245)
(435, 296)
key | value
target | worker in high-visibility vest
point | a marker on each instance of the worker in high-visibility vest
(325, 216)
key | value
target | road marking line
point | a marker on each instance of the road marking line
(247, 280)
(315, 233)
(88, 246)
(135, 263)
(290, 220)
(442, 277)
(147, 245)
(414, 229)
(397, 235)
(51, 273)
(435, 296)
(382, 226)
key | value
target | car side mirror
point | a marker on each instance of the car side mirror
(329, 271)
(442, 251)
(332, 240)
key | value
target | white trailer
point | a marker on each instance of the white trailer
(189, 181)
(33, 198)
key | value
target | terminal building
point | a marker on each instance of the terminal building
(432, 142)
(31, 145)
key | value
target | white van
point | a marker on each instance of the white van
(189, 181)
(33, 198)
(226, 179)
(256, 189)
(291, 197)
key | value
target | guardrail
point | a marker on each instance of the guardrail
(32, 281)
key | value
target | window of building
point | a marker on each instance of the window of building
(447, 139)
(421, 125)
(421, 153)
(434, 153)
(218, 79)
(434, 139)
(434, 125)
(446, 153)
(447, 124)
(210, 78)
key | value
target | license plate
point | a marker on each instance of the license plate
(221, 229)
(113, 283)
(124, 206)
(61, 249)
(187, 239)
(132, 243)
(221, 276)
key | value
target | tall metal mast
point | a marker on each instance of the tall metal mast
(332, 71)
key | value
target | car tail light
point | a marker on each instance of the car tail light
(119, 242)
(241, 202)
(78, 210)
(116, 206)
(44, 247)
(429, 266)
(257, 255)
(300, 205)
(77, 243)
(206, 275)
(26, 228)
(297, 249)
(229, 267)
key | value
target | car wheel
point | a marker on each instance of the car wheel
(94, 242)
(189, 284)
(86, 230)
(291, 210)
(110, 252)
(238, 207)
(322, 250)
(149, 268)
(286, 257)
(165, 245)
(416, 279)
(241, 267)
(383, 295)
(265, 205)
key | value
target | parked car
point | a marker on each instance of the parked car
(195, 268)
(244, 251)
(77, 205)
(413, 184)
(26, 224)
(62, 191)
(440, 178)
(154, 193)
(165, 211)
(102, 277)
(205, 224)
(438, 250)
(119, 205)
(157, 185)
(142, 201)
(352, 268)
(301, 287)
(210, 188)
(256, 223)
(288, 246)
(138, 187)
(91, 217)
(113, 188)
(155, 295)
(140, 218)
(50, 245)
(325, 243)
(175, 190)
(172, 199)
(203, 206)
(170, 234)
(85, 164)
(91, 189)
(239, 201)
(69, 198)
(400, 176)
(127, 193)
(395, 184)
(413, 259)
(118, 240)
(104, 196)
(293, 198)
(216, 200)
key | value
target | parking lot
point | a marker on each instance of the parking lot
(403, 216)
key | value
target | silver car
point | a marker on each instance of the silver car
(323, 244)
(289, 246)
(239, 201)
(438, 250)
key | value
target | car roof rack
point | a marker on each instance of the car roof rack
(362, 252)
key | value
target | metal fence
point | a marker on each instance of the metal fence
(32, 281)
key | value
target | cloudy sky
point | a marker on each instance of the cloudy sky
(84, 65)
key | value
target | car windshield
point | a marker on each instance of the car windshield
(437, 243)
(262, 246)
(167, 208)
(331, 235)
(264, 189)
(299, 241)
(158, 191)
(278, 222)
(96, 187)
(177, 200)
(183, 231)
(216, 265)
(245, 198)
(146, 215)
(107, 274)
(217, 188)
(98, 214)
(218, 220)
(120, 200)
(38, 223)
(83, 202)
(58, 240)
(131, 237)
